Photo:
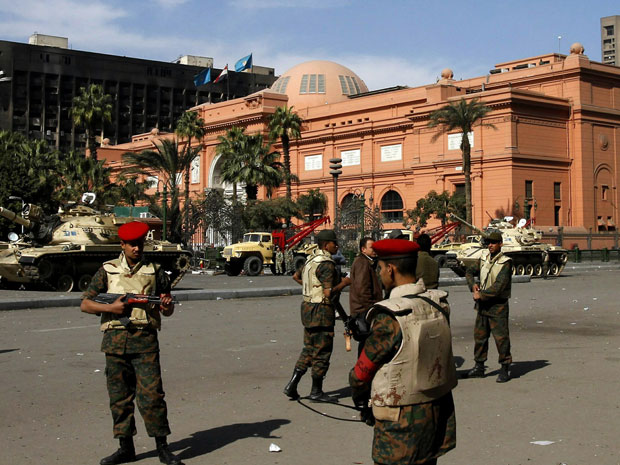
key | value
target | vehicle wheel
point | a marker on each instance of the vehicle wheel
(84, 282)
(299, 261)
(441, 260)
(538, 269)
(459, 271)
(232, 268)
(46, 269)
(253, 266)
(64, 283)
(529, 269)
(183, 263)
(520, 269)
(554, 269)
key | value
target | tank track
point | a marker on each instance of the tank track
(32, 271)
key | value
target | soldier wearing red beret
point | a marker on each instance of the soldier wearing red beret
(404, 377)
(130, 343)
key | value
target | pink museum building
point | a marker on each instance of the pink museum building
(552, 155)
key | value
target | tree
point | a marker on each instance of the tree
(461, 115)
(27, 171)
(313, 204)
(91, 110)
(285, 125)
(189, 125)
(130, 191)
(79, 174)
(438, 205)
(249, 161)
(168, 161)
(268, 214)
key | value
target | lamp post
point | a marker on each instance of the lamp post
(335, 169)
(15, 197)
(164, 208)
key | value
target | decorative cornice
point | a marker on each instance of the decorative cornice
(347, 135)
(229, 124)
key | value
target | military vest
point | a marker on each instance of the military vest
(423, 369)
(490, 268)
(122, 279)
(312, 288)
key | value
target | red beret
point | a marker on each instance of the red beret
(394, 248)
(133, 231)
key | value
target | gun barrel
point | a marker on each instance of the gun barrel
(466, 223)
(12, 216)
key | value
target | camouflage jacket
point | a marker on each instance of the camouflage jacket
(490, 303)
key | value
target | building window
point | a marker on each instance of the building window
(459, 190)
(609, 30)
(392, 207)
(529, 189)
(557, 191)
(604, 192)
(309, 84)
(611, 226)
(600, 224)
(556, 215)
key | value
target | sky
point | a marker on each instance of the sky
(385, 42)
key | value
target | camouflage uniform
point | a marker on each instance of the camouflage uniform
(132, 367)
(423, 431)
(288, 262)
(279, 260)
(318, 321)
(492, 317)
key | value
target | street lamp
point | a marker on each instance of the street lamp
(335, 169)
(164, 206)
(15, 197)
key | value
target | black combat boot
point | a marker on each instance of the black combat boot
(126, 453)
(291, 388)
(504, 373)
(477, 371)
(316, 393)
(165, 456)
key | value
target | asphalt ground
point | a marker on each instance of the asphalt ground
(225, 363)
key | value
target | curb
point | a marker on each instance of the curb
(202, 294)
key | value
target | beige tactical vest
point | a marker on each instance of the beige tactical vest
(140, 280)
(312, 288)
(423, 369)
(490, 268)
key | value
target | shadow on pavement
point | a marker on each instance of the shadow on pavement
(517, 369)
(3, 351)
(203, 442)
(340, 393)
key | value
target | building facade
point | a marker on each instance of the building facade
(610, 34)
(38, 82)
(549, 149)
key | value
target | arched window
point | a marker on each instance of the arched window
(392, 207)
(351, 209)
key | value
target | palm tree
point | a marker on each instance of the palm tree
(91, 109)
(79, 174)
(461, 115)
(313, 204)
(130, 190)
(189, 125)
(254, 165)
(168, 161)
(285, 125)
(233, 143)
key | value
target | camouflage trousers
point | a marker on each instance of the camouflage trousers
(279, 269)
(498, 327)
(422, 433)
(317, 350)
(136, 376)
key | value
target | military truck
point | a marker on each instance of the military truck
(257, 249)
(521, 242)
(65, 250)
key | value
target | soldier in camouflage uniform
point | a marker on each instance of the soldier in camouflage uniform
(408, 399)
(279, 260)
(288, 262)
(131, 345)
(320, 281)
(491, 296)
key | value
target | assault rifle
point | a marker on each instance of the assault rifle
(129, 299)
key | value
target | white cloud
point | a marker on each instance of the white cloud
(171, 3)
(265, 4)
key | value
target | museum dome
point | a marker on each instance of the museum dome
(316, 83)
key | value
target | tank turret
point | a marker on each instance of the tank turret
(64, 250)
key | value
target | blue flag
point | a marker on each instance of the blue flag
(203, 77)
(244, 63)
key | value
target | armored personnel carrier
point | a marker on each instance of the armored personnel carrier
(64, 250)
(522, 243)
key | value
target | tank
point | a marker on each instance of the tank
(522, 244)
(63, 251)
